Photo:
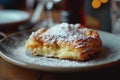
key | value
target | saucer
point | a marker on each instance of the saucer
(11, 19)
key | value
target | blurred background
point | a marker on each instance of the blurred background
(90, 13)
(20, 15)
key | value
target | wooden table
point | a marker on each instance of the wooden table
(9, 71)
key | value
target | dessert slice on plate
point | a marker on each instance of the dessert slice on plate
(65, 41)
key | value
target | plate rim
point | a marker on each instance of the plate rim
(57, 69)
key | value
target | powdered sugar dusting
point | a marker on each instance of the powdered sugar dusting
(63, 32)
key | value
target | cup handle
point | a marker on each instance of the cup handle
(2, 36)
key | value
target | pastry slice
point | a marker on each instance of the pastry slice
(65, 41)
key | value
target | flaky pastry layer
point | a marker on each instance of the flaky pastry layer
(65, 41)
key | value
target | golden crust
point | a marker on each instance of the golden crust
(77, 47)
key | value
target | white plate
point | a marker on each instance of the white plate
(11, 16)
(13, 50)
